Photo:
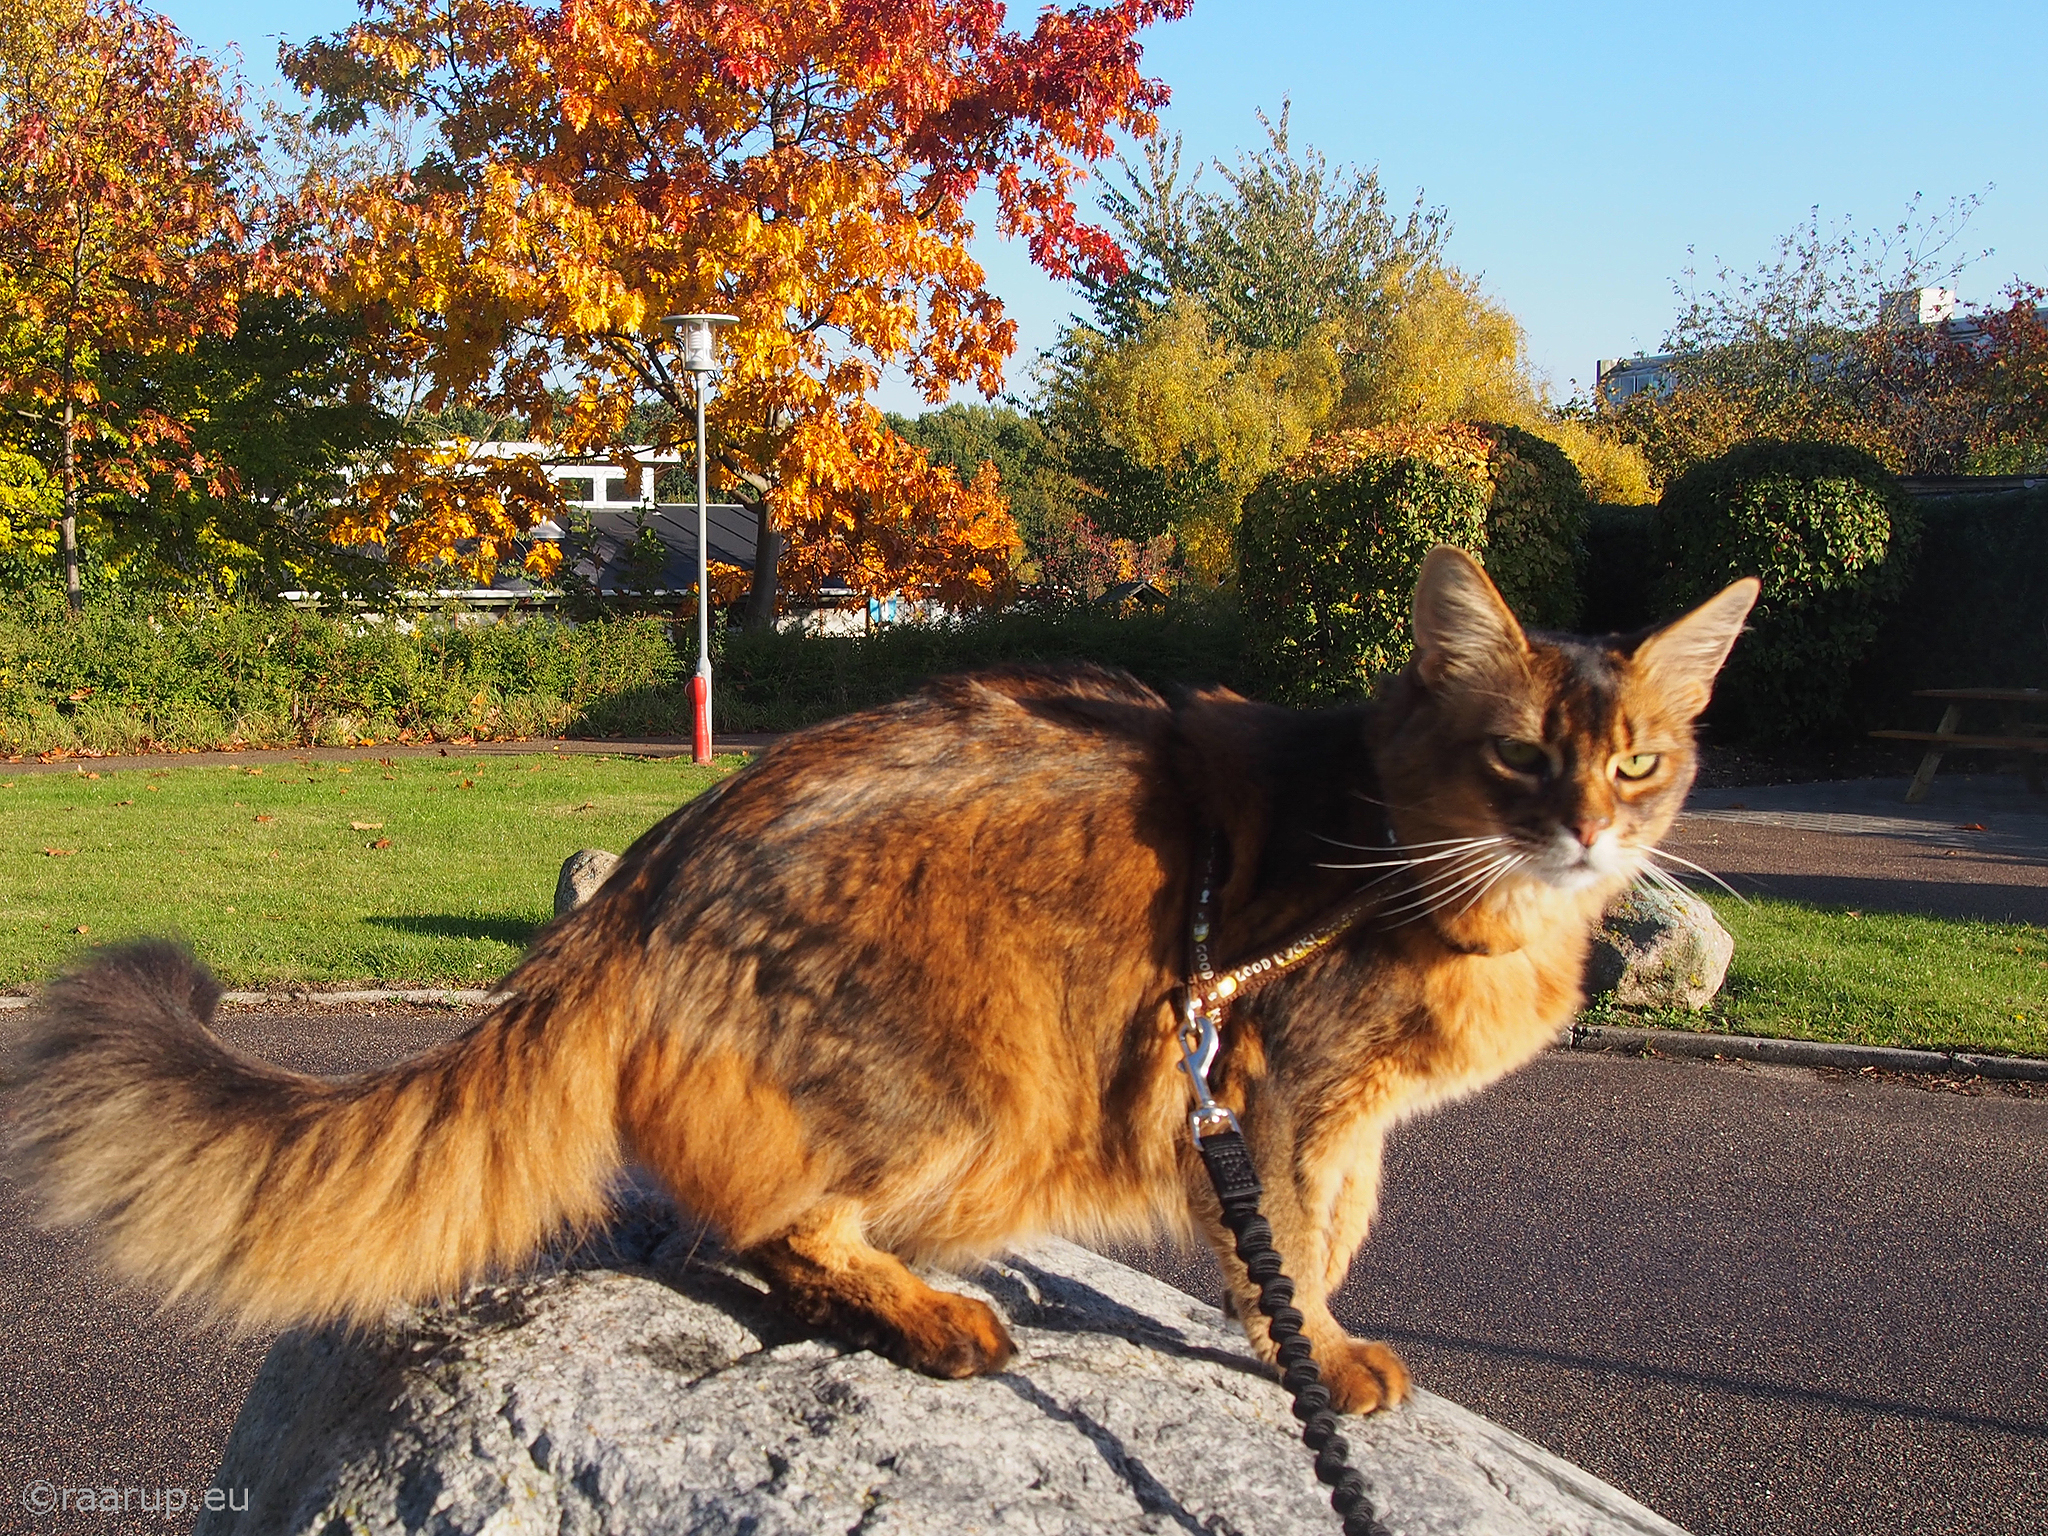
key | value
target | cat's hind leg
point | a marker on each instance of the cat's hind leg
(827, 1273)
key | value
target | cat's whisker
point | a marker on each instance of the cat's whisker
(1437, 878)
(1675, 858)
(1415, 914)
(1426, 858)
(1442, 893)
(1435, 842)
(1473, 899)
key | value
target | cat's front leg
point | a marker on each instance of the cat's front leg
(1315, 1252)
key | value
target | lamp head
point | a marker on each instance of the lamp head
(698, 335)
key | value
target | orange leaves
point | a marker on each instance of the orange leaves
(804, 164)
(453, 507)
(869, 511)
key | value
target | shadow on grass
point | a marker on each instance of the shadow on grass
(506, 930)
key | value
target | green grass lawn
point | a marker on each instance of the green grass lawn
(424, 870)
(1815, 973)
(453, 866)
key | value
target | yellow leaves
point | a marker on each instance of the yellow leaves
(1179, 394)
(1442, 351)
(451, 506)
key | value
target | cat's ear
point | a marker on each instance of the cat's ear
(1461, 625)
(1684, 656)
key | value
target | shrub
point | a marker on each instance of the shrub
(1330, 546)
(1830, 534)
(1535, 526)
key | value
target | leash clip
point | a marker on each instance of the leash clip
(1198, 1047)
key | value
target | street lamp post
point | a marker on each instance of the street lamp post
(698, 335)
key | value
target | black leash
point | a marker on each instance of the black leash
(1217, 1137)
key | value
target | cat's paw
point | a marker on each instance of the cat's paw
(952, 1336)
(1363, 1375)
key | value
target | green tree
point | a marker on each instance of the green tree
(126, 217)
(965, 436)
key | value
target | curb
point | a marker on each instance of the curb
(1805, 1053)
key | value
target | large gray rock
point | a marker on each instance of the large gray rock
(582, 873)
(660, 1394)
(1659, 949)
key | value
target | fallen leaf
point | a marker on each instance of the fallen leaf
(1733, 805)
(378, 826)
(153, 788)
(81, 928)
(259, 770)
(130, 802)
(393, 775)
(1968, 826)
(273, 818)
(58, 853)
(471, 783)
(591, 805)
(227, 909)
(92, 775)
(382, 842)
(343, 768)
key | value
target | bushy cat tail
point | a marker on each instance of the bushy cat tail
(272, 1198)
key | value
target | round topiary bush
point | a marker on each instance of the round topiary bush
(1830, 534)
(1535, 526)
(1330, 546)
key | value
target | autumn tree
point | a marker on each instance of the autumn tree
(1803, 348)
(598, 164)
(125, 231)
(2011, 368)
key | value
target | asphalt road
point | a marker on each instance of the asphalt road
(1759, 1300)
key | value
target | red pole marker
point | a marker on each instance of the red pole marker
(700, 723)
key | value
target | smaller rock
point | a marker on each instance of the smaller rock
(1658, 949)
(582, 873)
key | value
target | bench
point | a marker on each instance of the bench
(2021, 736)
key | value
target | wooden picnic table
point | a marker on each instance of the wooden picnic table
(2021, 735)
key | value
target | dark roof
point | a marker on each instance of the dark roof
(599, 556)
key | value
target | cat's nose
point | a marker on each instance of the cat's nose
(1590, 828)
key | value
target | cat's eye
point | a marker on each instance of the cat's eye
(1638, 765)
(1522, 756)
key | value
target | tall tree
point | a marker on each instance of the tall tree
(1803, 347)
(125, 228)
(804, 164)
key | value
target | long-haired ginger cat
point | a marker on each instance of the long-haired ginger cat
(902, 993)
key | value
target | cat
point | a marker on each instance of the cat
(902, 993)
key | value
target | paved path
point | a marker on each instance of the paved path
(1976, 847)
(1762, 1301)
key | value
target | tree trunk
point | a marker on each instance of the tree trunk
(761, 595)
(73, 592)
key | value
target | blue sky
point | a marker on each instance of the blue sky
(1580, 148)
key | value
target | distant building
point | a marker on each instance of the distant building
(1619, 379)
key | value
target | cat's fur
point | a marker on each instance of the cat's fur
(902, 993)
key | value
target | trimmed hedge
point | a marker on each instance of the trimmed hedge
(1831, 536)
(1975, 613)
(1328, 552)
(122, 680)
(1536, 519)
